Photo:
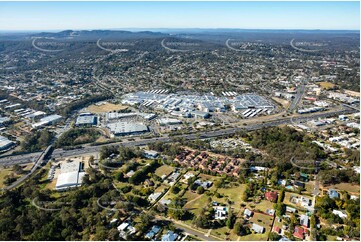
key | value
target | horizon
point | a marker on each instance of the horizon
(59, 16)
(140, 29)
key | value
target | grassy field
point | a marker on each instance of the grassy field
(326, 85)
(222, 232)
(234, 194)
(164, 170)
(254, 237)
(3, 174)
(106, 107)
(281, 101)
(263, 220)
(193, 204)
(345, 187)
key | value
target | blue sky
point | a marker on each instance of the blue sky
(248, 15)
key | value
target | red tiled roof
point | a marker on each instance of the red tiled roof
(299, 233)
(271, 196)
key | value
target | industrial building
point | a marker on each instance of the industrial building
(126, 128)
(5, 143)
(168, 121)
(48, 120)
(71, 175)
(86, 119)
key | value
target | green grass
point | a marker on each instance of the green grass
(221, 232)
(255, 237)
(346, 187)
(164, 170)
(265, 221)
(196, 205)
(234, 194)
(3, 174)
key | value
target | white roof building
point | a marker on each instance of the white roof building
(5, 143)
(70, 175)
(126, 128)
(69, 180)
(339, 213)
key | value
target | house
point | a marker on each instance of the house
(172, 178)
(148, 183)
(299, 184)
(204, 184)
(154, 196)
(277, 230)
(305, 202)
(282, 182)
(130, 173)
(248, 213)
(126, 229)
(332, 193)
(299, 232)
(152, 232)
(257, 168)
(220, 212)
(270, 211)
(169, 236)
(271, 196)
(284, 239)
(186, 177)
(290, 209)
(150, 154)
(340, 213)
(165, 201)
(258, 228)
(304, 176)
(304, 220)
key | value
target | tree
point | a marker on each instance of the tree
(200, 190)
(237, 228)
(281, 196)
(274, 236)
(230, 220)
(175, 189)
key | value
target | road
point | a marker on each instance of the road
(58, 153)
(38, 162)
(300, 92)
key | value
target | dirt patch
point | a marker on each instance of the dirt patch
(105, 107)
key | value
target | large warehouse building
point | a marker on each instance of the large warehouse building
(126, 128)
(5, 143)
(71, 175)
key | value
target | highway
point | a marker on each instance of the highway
(39, 161)
(57, 153)
(300, 92)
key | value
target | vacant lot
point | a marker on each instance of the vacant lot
(234, 194)
(281, 101)
(164, 170)
(3, 174)
(106, 107)
(195, 202)
(326, 85)
(263, 220)
(255, 237)
(346, 187)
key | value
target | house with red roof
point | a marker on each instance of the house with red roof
(299, 232)
(271, 196)
(277, 229)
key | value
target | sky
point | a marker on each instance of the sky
(245, 15)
